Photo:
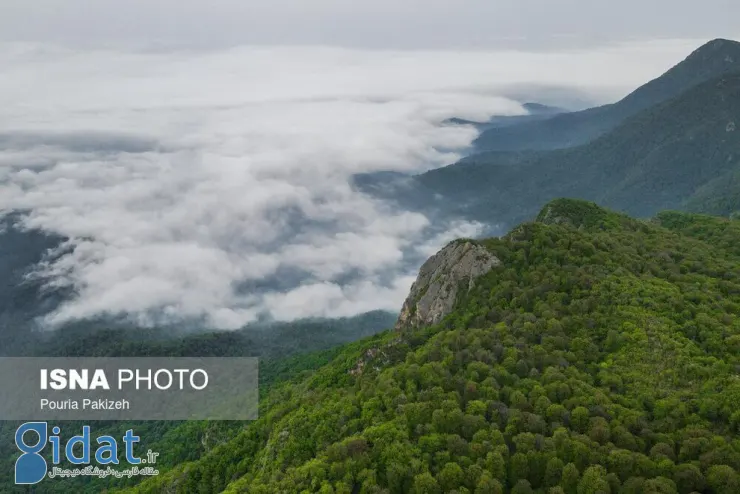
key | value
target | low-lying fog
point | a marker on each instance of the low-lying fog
(216, 185)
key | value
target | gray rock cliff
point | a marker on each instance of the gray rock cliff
(435, 291)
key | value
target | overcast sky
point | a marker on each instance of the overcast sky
(400, 24)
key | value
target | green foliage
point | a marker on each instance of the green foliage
(583, 214)
(594, 481)
(593, 360)
(723, 479)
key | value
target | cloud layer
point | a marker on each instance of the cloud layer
(409, 24)
(215, 185)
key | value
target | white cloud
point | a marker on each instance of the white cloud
(215, 185)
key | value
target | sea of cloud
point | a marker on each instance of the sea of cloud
(216, 185)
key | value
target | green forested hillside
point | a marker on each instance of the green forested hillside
(601, 356)
(571, 129)
(658, 159)
(720, 196)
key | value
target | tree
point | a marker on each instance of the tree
(662, 450)
(522, 487)
(622, 463)
(723, 479)
(424, 483)
(488, 485)
(633, 485)
(569, 479)
(519, 467)
(599, 430)
(553, 471)
(660, 485)
(688, 478)
(496, 464)
(451, 477)
(594, 481)
(614, 483)
(579, 419)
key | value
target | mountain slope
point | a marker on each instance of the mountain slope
(599, 356)
(655, 160)
(720, 196)
(712, 60)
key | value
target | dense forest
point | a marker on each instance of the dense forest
(601, 356)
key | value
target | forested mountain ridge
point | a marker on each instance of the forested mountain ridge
(657, 159)
(599, 356)
(711, 60)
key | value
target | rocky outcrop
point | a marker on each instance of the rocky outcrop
(440, 279)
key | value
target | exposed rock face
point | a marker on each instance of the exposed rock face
(435, 291)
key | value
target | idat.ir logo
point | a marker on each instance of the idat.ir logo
(31, 467)
(32, 438)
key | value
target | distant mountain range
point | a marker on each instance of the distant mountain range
(656, 160)
(674, 143)
(571, 129)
